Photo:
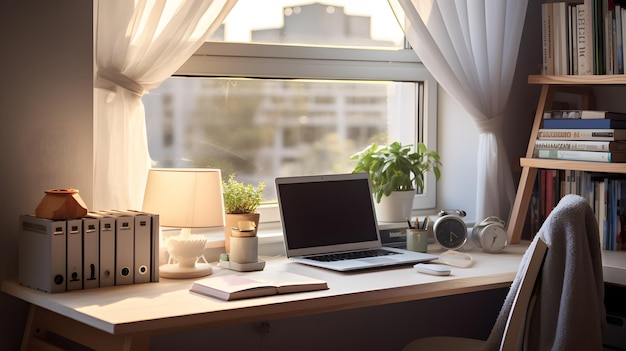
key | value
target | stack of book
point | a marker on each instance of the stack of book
(582, 135)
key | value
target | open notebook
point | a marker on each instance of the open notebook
(329, 221)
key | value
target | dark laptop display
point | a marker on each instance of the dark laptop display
(314, 213)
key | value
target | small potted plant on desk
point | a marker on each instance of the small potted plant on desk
(240, 204)
(396, 171)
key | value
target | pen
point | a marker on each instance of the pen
(409, 222)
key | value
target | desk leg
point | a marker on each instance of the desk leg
(47, 330)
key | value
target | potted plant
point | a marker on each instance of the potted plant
(396, 171)
(240, 204)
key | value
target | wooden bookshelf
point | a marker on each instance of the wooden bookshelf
(580, 85)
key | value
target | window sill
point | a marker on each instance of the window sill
(270, 235)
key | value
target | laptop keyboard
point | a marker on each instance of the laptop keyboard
(352, 255)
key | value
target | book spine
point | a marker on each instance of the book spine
(577, 134)
(563, 114)
(598, 37)
(585, 38)
(580, 39)
(618, 40)
(570, 123)
(548, 48)
(608, 41)
(583, 114)
(559, 30)
(623, 27)
(572, 19)
(577, 155)
(581, 145)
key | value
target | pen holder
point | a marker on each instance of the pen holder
(417, 240)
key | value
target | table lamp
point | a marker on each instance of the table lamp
(185, 198)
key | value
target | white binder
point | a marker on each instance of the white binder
(107, 248)
(74, 253)
(124, 248)
(91, 252)
(42, 254)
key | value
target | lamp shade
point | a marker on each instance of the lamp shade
(185, 197)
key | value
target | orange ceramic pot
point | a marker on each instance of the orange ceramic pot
(61, 204)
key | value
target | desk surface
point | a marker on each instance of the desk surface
(168, 305)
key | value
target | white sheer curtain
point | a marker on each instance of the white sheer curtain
(139, 44)
(470, 47)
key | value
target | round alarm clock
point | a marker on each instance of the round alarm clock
(450, 232)
(490, 235)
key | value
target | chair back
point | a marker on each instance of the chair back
(514, 331)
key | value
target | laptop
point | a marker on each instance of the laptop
(329, 221)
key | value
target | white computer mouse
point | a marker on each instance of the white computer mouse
(430, 268)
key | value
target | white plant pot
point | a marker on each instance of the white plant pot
(396, 207)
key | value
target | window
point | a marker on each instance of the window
(282, 101)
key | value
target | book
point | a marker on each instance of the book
(623, 52)
(582, 134)
(623, 16)
(568, 123)
(598, 37)
(572, 39)
(255, 284)
(584, 145)
(547, 37)
(577, 155)
(583, 114)
(617, 22)
(559, 30)
(584, 37)
(608, 36)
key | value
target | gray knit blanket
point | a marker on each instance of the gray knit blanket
(568, 313)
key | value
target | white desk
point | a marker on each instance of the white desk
(614, 267)
(126, 317)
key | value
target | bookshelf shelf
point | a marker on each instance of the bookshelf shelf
(615, 79)
(577, 165)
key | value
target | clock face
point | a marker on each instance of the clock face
(450, 232)
(493, 238)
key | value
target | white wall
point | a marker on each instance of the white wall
(458, 144)
(46, 125)
(46, 111)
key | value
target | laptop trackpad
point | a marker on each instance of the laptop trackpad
(377, 260)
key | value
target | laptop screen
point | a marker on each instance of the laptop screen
(326, 211)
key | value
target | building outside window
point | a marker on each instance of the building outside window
(294, 94)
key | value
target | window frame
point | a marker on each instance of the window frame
(277, 61)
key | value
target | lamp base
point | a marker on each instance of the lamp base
(173, 271)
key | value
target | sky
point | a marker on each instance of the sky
(255, 14)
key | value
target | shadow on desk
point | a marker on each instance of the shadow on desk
(387, 327)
